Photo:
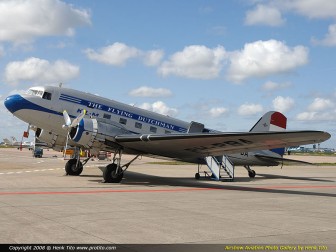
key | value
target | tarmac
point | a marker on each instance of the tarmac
(162, 203)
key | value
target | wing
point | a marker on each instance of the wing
(192, 147)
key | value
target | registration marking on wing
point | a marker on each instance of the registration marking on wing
(239, 142)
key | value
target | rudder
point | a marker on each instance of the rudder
(271, 121)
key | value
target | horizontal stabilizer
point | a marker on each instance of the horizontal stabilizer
(281, 160)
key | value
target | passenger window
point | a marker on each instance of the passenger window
(46, 96)
(107, 116)
(153, 129)
(123, 121)
(138, 125)
(167, 132)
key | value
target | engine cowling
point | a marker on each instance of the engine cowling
(50, 138)
(93, 133)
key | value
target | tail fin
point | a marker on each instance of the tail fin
(6, 141)
(271, 121)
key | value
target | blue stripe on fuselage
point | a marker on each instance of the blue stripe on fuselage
(123, 113)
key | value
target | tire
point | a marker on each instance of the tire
(110, 175)
(71, 169)
(252, 174)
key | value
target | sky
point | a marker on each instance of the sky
(221, 63)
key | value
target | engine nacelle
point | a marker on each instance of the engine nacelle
(90, 132)
(50, 138)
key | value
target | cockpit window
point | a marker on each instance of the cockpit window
(35, 92)
(46, 96)
(39, 93)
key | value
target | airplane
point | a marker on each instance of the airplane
(63, 116)
(15, 143)
(25, 144)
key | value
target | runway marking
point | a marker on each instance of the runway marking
(165, 190)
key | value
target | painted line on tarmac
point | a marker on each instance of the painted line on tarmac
(238, 188)
(20, 172)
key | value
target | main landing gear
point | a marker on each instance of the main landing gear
(251, 172)
(114, 173)
(74, 166)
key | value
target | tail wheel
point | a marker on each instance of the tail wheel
(72, 169)
(110, 174)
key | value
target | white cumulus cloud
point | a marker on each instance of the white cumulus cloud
(248, 109)
(23, 20)
(264, 15)
(195, 61)
(153, 58)
(330, 37)
(321, 109)
(218, 111)
(283, 104)
(159, 107)
(145, 91)
(40, 71)
(116, 54)
(263, 58)
(319, 9)
(320, 104)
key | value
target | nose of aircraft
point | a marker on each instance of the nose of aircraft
(14, 103)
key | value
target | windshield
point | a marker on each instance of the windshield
(40, 93)
(35, 92)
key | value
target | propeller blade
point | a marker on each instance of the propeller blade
(78, 118)
(66, 118)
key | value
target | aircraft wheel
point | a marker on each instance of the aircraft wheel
(252, 174)
(197, 175)
(72, 169)
(110, 175)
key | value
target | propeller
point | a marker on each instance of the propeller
(69, 125)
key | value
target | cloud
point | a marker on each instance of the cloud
(23, 20)
(40, 71)
(248, 109)
(320, 109)
(329, 39)
(159, 107)
(270, 86)
(116, 54)
(319, 9)
(195, 61)
(263, 58)
(218, 111)
(316, 116)
(153, 58)
(264, 15)
(145, 91)
(283, 104)
(320, 104)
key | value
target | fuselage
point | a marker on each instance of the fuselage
(43, 107)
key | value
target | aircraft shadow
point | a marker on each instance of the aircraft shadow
(134, 178)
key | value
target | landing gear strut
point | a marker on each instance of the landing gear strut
(251, 172)
(114, 172)
(74, 166)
